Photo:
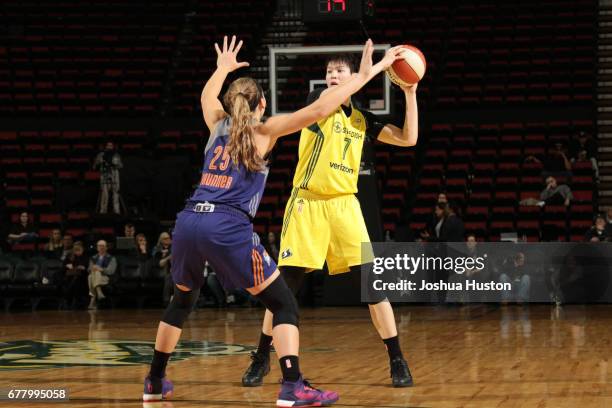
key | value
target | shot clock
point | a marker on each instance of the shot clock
(329, 11)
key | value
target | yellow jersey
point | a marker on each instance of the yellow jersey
(330, 154)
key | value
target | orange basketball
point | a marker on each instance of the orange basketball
(410, 69)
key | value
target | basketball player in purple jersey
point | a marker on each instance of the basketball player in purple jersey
(216, 224)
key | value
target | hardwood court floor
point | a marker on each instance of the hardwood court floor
(479, 356)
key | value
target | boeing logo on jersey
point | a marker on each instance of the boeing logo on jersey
(338, 128)
(341, 167)
(286, 253)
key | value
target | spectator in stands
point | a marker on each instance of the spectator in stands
(554, 163)
(481, 275)
(142, 253)
(556, 194)
(431, 231)
(553, 194)
(141, 245)
(452, 228)
(442, 198)
(23, 231)
(583, 142)
(101, 267)
(271, 246)
(55, 247)
(129, 231)
(75, 274)
(609, 221)
(67, 246)
(109, 163)
(598, 232)
(516, 273)
(162, 253)
(583, 147)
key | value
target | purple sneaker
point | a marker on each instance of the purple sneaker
(302, 394)
(156, 389)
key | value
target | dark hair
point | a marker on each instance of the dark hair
(241, 99)
(347, 59)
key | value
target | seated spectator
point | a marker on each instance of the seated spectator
(583, 142)
(554, 163)
(23, 231)
(101, 267)
(481, 275)
(142, 253)
(125, 243)
(67, 246)
(553, 194)
(162, 254)
(271, 246)
(609, 221)
(129, 231)
(584, 148)
(598, 232)
(75, 274)
(516, 273)
(556, 194)
(55, 247)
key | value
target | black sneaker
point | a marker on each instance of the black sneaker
(259, 368)
(400, 374)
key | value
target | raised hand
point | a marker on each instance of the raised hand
(367, 69)
(365, 66)
(227, 58)
(391, 55)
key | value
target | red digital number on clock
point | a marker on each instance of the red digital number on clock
(327, 6)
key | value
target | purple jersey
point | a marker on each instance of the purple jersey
(223, 182)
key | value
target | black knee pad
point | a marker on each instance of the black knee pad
(180, 306)
(278, 299)
(294, 277)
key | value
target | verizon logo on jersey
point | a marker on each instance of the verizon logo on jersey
(341, 167)
(216, 180)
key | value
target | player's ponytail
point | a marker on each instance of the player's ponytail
(241, 99)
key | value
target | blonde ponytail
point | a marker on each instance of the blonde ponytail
(242, 99)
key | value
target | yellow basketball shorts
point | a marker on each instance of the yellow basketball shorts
(322, 228)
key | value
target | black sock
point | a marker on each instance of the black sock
(290, 366)
(393, 347)
(158, 365)
(265, 342)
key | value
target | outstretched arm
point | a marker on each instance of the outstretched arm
(282, 125)
(408, 135)
(226, 63)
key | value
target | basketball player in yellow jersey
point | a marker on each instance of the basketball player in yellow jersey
(323, 219)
